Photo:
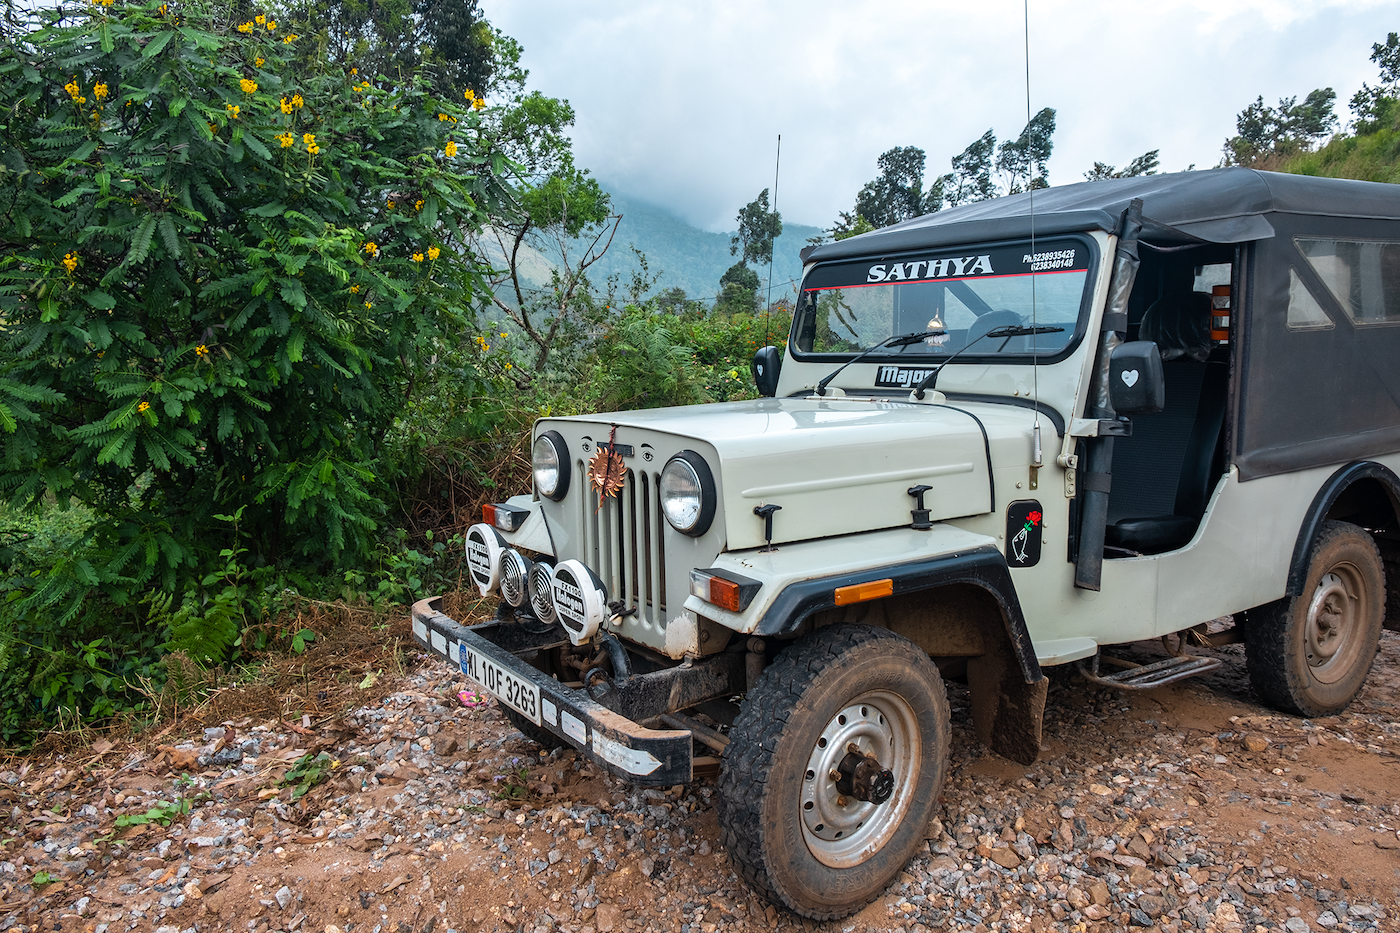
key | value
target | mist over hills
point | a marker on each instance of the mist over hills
(687, 257)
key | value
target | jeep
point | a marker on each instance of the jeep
(1000, 438)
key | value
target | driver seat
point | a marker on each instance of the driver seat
(1174, 323)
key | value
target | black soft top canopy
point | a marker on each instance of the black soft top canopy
(1216, 206)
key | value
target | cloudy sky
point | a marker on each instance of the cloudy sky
(680, 103)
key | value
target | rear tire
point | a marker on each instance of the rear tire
(1310, 654)
(791, 832)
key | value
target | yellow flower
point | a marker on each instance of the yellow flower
(354, 71)
(503, 336)
(104, 2)
(259, 19)
(369, 304)
(433, 252)
(450, 149)
(297, 100)
(286, 105)
(248, 85)
(508, 366)
(354, 289)
(99, 90)
(469, 94)
(271, 26)
(212, 129)
(285, 139)
(372, 248)
(201, 351)
(313, 148)
(417, 257)
(290, 37)
(310, 140)
(164, 9)
(418, 204)
(144, 407)
(258, 62)
(478, 103)
(245, 27)
(232, 111)
(389, 204)
(70, 261)
(73, 89)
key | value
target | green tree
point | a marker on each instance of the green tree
(758, 228)
(448, 40)
(971, 178)
(1378, 107)
(562, 217)
(738, 290)
(1266, 134)
(220, 278)
(897, 193)
(1023, 161)
(1145, 164)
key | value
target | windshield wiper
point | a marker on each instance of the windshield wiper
(1010, 330)
(901, 340)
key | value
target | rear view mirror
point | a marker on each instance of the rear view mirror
(1135, 383)
(766, 365)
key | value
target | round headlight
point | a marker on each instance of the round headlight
(688, 493)
(515, 572)
(550, 457)
(540, 581)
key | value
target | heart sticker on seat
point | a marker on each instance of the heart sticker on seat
(1130, 377)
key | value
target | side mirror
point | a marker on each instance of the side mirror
(766, 365)
(1135, 382)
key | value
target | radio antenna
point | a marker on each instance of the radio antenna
(768, 305)
(1037, 460)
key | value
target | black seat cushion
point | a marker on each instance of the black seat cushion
(1151, 535)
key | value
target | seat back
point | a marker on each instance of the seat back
(1205, 450)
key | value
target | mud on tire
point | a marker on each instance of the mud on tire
(790, 831)
(1310, 654)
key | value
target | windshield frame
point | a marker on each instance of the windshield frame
(914, 353)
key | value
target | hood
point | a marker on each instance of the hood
(833, 466)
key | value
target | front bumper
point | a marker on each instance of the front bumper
(642, 756)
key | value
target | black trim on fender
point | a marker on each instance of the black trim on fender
(1326, 497)
(984, 567)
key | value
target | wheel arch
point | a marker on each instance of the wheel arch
(956, 605)
(983, 569)
(1364, 493)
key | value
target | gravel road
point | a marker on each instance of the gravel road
(1186, 808)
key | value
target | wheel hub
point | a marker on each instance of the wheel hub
(863, 778)
(856, 787)
(1329, 621)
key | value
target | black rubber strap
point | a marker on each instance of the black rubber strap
(1097, 482)
(1117, 322)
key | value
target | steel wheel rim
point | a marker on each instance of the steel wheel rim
(1331, 636)
(842, 835)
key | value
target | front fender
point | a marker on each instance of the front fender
(801, 579)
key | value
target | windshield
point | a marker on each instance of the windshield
(847, 307)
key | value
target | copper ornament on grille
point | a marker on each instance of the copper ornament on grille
(606, 471)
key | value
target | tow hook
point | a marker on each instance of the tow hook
(860, 776)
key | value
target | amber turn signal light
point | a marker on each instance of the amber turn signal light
(504, 517)
(860, 592)
(724, 589)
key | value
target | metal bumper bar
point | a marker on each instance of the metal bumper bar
(642, 756)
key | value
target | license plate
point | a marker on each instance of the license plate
(520, 695)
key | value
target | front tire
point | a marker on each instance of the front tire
(1310, 654)
(809, 835)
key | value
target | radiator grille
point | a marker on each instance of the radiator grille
(623, 541)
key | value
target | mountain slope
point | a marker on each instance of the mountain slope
(687, 257)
